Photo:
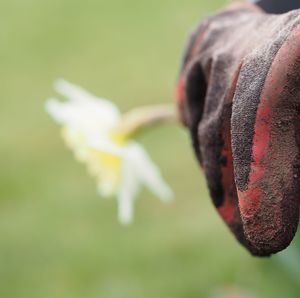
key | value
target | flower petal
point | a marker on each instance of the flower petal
(106, 146)
(57, 110)
(81, 96)
(127, 192)
(83, 111)
(147, 172)
(76, 93)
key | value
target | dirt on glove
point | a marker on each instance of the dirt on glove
(238, 93)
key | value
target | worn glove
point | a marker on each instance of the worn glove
(238, 93)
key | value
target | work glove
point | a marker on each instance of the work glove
(238, 93)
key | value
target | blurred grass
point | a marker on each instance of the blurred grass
(57, 237)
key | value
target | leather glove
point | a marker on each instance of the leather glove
(238, 93)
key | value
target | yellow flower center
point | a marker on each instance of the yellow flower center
(104, 166)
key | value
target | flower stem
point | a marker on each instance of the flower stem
(138, 119)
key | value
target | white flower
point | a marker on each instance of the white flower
(95, 130)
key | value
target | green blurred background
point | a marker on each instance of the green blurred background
(58, 238)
